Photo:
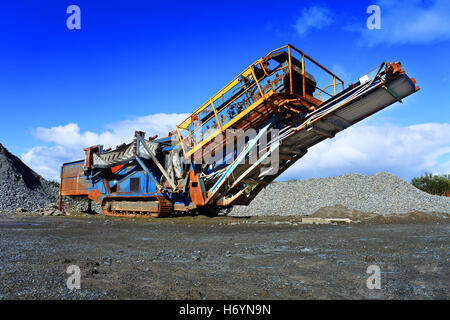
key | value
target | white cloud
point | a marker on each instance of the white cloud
(406, 151)
(70, 135)
(314, 17)
(68, 141)
(47, 160)
(409, 22)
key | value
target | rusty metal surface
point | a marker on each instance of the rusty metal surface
(195, 189)
(73, 181)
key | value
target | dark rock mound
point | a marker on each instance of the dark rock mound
(14, 169)
(21, 187)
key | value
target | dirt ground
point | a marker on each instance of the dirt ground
(223, 257)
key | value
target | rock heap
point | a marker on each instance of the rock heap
(22, 188)
(382, 193)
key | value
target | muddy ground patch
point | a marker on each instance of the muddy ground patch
(220, 258)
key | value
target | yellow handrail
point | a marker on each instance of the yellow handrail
(183, 126)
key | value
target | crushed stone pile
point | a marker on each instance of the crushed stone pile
(381, 193)
(21, 187)
(79, 204)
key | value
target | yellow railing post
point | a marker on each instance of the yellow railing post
(257, 82)
(303, 75)
(215, 113)
(334, 84)
(181, 139)
(290, 69)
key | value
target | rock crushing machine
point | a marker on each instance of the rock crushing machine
(237, 142)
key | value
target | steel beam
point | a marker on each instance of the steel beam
(158, 164)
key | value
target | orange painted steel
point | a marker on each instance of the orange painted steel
(195, 189)
(73, 182)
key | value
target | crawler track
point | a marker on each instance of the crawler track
(155, 207)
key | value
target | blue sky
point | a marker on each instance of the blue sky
(144, 65)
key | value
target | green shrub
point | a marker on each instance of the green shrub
(433, 184)
(54, 183)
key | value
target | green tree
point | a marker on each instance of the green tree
(433, 184)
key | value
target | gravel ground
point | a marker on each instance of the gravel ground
(220, 258)
(382, 193)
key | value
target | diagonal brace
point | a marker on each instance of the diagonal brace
(158, 164)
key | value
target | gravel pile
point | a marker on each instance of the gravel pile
(21, 187)
(80, 204)
(382, 193)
